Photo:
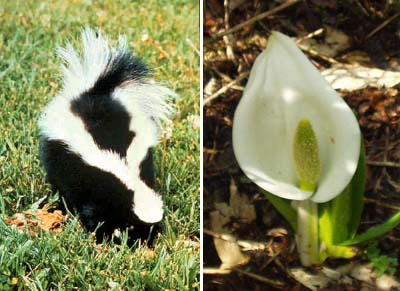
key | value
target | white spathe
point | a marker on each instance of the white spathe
(284, 88)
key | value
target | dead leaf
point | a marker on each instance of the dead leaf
(354, 76)
(365, 273)
(357, 57)
(277, 232)
(229, 252)
(241, 208)
(313, 282)
(48, 221)
(210, 87)
(345, 274)
(376, 107)
(335, 41)
(240, 205)
(41, 218)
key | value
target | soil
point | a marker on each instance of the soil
(378, 110)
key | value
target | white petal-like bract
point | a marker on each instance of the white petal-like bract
(284, 88)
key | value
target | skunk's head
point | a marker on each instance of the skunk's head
(98, 135)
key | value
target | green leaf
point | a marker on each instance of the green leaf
(284, 207)
(340, 217)
(374, 232)
(333, 227)
(339, 212)
(357, 196)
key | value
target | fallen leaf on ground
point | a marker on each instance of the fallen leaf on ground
(376, 107)
(344, 275)
(335, 41)
(228, 252)
(240, 205)
(366, 274)
(354, 76)
(313, 282)
(41, 218)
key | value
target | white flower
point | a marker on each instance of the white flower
(283, 89)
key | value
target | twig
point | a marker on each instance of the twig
(310, 35)
(383, 164)
(384, 172)
(237, 88)
(252, 20)
(274, 283)
(224, 89)
(391, 182)
(223, 76)
(271, 259)
(211, 151)
(385, 205)
(315, 54)
(214, 271)
(247, 245)
(229, 50)
(386, 22)
(362, 8)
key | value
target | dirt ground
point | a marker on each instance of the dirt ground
(367, 34)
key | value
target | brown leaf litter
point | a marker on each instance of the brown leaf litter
(36, 220)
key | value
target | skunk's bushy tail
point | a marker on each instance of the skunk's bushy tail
(101, 70)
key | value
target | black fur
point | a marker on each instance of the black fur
(147, 169)
(98, 197)
(106, 120)
(121, 68)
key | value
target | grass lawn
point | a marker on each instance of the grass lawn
(166, 35)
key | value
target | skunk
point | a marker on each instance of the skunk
(97, 138)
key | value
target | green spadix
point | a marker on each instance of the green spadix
(306, 156)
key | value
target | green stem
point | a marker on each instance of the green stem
(307, 232)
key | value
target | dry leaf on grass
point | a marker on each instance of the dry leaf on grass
(41, 219)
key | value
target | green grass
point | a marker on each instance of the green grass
(29, 78)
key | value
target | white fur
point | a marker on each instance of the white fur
(145, 102)
(148, 108)
(81, 72)
(148, 206)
